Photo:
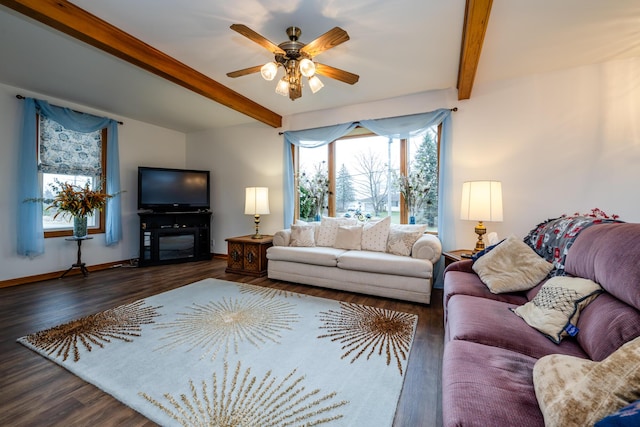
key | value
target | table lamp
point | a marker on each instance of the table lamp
(256, 203)
(481, 201)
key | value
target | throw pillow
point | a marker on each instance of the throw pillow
(375, 235)
(511, 266)
(402, 237)
(553, 238)
(302, 236)
(328, 230)
(555, 309)
(629, 416)
(578, 392)
(349, 237)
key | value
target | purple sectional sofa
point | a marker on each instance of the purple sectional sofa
(490, 352)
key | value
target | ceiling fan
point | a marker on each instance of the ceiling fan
(297, 60)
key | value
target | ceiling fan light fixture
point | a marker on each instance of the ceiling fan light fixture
(307, 67)
(315, 84)
(269, 71)
(283, 87)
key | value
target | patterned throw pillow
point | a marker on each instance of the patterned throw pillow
(328, 230)
(402, 237)
(302, 236)
(629, 416)
(375, 235)
(578, 392)
(553, 238)
(555, 309)
(511, 266)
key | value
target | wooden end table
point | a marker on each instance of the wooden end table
(457, 255)
(246, 255)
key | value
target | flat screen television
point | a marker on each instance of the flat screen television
(173, 190)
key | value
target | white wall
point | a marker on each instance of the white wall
(239, 157)
(560, 142)
(140, 144)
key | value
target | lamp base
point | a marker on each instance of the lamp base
(480, 230)
(256, 220)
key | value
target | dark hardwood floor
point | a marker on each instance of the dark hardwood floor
(37, 392)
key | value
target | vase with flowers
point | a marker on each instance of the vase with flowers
(414, 189)
(78, 202)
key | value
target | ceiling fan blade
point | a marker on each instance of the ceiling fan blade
(331, 38)
(245, 71)
(252, 35)
(336, 73)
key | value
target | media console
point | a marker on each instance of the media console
(172, 237)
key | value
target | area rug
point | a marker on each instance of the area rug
(219, 353)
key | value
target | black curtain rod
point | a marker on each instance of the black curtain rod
(22, 97)
(454, 109)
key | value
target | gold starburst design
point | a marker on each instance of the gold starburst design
(240, 399)
(266, 292)
(225, 324)
(361, 329)
(121, 323)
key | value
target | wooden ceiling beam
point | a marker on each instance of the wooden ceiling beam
(476, 19)
(82, 25)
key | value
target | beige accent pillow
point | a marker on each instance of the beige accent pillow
(557, 306)
(575, 392)
(328, 230)
(302, 236)
(511, 266)
(402, 237)
(348, 237)
(375, 235)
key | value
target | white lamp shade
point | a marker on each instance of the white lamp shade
(315, 84)
(481, 201)
(269, 70)
(307, 67)
(283, 87)
(256, 201)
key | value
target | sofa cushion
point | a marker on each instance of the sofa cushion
(328, 230)
(348, 237)
(484, 385)
(491, 322)
(556, 308)
(609, 254)
(402, 237)
(377, 262)
(605, 325)
(302, 236)
(375, 235)
(574, 392)
(317, 255)
(511, 266)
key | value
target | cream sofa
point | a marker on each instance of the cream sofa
(352, 267)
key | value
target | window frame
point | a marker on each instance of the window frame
(358, 132)
(68, 231)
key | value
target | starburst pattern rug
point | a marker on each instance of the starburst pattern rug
(219, 353)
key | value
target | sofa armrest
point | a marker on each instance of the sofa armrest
(465, 265)
(282, 237)
(427, 247)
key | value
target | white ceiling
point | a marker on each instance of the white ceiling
(397, 48)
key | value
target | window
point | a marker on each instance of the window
(69, 156)
(359, 175)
